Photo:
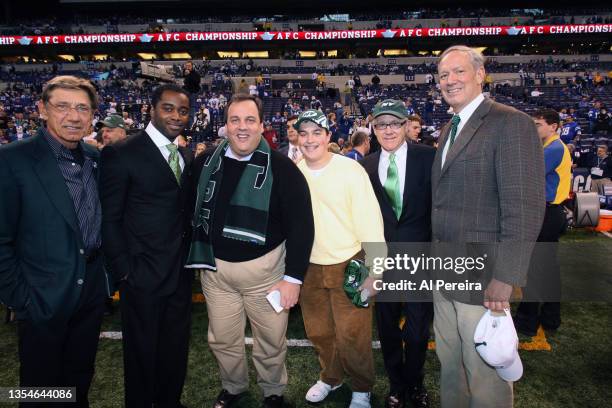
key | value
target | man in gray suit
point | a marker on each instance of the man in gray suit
(486, 188)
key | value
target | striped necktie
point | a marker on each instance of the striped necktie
(453, 132)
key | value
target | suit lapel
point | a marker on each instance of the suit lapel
(410, 182)
(53, 182)
(187, 158)
(437, 164)
(158, 158)
(372, 169)
(467, 133)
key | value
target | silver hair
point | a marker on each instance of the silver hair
(476, 57)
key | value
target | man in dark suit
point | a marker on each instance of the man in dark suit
(291, 149)
(487, 188)
(145, 193)
(401, 176)
(50, 265)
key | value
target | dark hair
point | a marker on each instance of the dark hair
(359, 138)
(70, 82)
(292, 117)
(241, 97)
(416, 118)
(158, 92)
(550, 116)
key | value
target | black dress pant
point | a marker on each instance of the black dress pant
(155, 344)
(543, 290)
(404, 348)
(63, 354)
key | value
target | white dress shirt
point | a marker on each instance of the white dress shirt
(400, 161)
(229, 153)
(464, 115)
(298, 153)
(161, 141)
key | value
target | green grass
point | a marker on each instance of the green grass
(576, 373)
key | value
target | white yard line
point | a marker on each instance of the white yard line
(116, 335)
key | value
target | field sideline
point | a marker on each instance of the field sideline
(576, 372)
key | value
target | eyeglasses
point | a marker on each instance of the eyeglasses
(64, 108)
(392, 125)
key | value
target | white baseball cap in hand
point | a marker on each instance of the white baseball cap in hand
(496, 341)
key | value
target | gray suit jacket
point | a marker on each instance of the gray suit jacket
(491, 189)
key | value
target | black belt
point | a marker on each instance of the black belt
(93, 255)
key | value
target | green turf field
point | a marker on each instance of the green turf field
(577, 372)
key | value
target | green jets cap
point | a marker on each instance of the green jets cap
(315, 116)
(114, 121)
(390, 107)
(354, 276)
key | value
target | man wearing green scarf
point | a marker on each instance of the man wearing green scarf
(250, 242)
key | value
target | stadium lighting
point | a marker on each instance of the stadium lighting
(228, 54)
(177, 55)
(392, 53)
(307, 54)
(147, 55)
(100, 57)
(255, 54)
(67, 57)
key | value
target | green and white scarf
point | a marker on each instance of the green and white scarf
(247, 215)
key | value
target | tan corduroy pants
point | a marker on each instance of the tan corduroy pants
(340, 331)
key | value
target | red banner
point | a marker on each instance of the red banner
(396, 33)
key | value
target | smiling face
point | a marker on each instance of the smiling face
(244, 127)
(171, 114)
(460, 81)
(313, 141)
(68, 113)
(394, 133)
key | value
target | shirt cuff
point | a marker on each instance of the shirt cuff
(289, 279)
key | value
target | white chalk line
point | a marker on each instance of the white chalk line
(116, 335)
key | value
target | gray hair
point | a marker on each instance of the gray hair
(476, 57)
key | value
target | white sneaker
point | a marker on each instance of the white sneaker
(360, 400)
(320, 391)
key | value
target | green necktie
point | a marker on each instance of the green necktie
(173, 161)
(453, 132)
(392, 186)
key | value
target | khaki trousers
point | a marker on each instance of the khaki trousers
(599, 184)
(340, 331)
(466, 381)
(236, 291)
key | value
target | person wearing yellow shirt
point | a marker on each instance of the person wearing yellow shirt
(543, 280)
(346, 215)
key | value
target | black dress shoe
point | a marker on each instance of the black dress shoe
(394, 401)
(525, 329)
(418, 397)
(273, 401)
(108, 307)
(225, 399)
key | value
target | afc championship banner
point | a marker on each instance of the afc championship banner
(398, 33)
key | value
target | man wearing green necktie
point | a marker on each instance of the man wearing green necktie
(400, 174)
(147, 197)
